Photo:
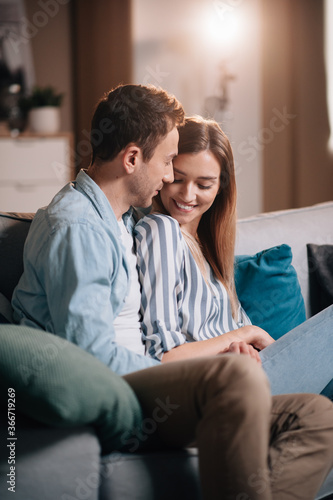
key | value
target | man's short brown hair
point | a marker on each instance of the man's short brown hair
(137, 114)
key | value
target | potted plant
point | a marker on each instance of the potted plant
(43, 109)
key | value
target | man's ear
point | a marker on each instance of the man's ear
(131, 158)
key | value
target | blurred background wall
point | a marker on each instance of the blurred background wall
(256, 66)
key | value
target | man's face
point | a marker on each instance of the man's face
(159, 169)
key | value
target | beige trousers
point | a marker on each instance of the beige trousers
(251, 445)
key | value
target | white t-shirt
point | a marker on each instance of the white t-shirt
(127, 324)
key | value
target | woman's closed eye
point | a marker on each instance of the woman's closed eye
(200, 186)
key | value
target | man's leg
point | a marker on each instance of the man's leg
(301, 445)
(247, 450)
(224, 403)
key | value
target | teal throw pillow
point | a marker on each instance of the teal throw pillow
(269, 291)
(59, 384)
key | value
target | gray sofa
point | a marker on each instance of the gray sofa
(64, 464)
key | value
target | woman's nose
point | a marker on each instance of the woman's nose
(188, 192)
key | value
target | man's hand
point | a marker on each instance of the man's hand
(244, 348)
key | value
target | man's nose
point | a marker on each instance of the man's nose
(168, 176)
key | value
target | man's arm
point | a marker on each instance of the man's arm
(82, 274)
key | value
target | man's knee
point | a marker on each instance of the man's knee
(243, 369)
(240, 376)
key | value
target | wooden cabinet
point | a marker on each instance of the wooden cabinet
(33, 168)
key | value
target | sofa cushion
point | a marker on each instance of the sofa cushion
(59, 384)
(50, 463)
(320, 261)
(144, 473)
(269, 291)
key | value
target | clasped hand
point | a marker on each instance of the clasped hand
(249, 340)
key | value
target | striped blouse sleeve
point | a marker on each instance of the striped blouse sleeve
(160, 253)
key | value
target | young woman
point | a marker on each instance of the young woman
(185, 252)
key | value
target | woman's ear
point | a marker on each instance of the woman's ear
(131, 158)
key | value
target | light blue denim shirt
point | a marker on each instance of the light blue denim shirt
(75, 274)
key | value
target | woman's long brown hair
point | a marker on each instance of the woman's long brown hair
(217, 227)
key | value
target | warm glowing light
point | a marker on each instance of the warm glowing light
(222, 27)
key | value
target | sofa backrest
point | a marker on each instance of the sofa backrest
(13, 232)
(296, 228)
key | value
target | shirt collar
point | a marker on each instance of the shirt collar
(84, 183)
(129, 220)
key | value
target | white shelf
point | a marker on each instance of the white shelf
(33, 169)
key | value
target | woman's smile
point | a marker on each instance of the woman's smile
(184, 207)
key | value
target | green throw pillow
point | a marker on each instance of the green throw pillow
(59, 384)
(269, 291)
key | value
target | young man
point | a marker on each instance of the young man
(80, 282)
(76, 276)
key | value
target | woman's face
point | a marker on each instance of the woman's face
(193, 191)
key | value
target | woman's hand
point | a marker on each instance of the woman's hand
(253, 335)
(243, 348)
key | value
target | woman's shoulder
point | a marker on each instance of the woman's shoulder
(158, 222)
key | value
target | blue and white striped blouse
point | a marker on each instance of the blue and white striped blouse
(177, 304)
